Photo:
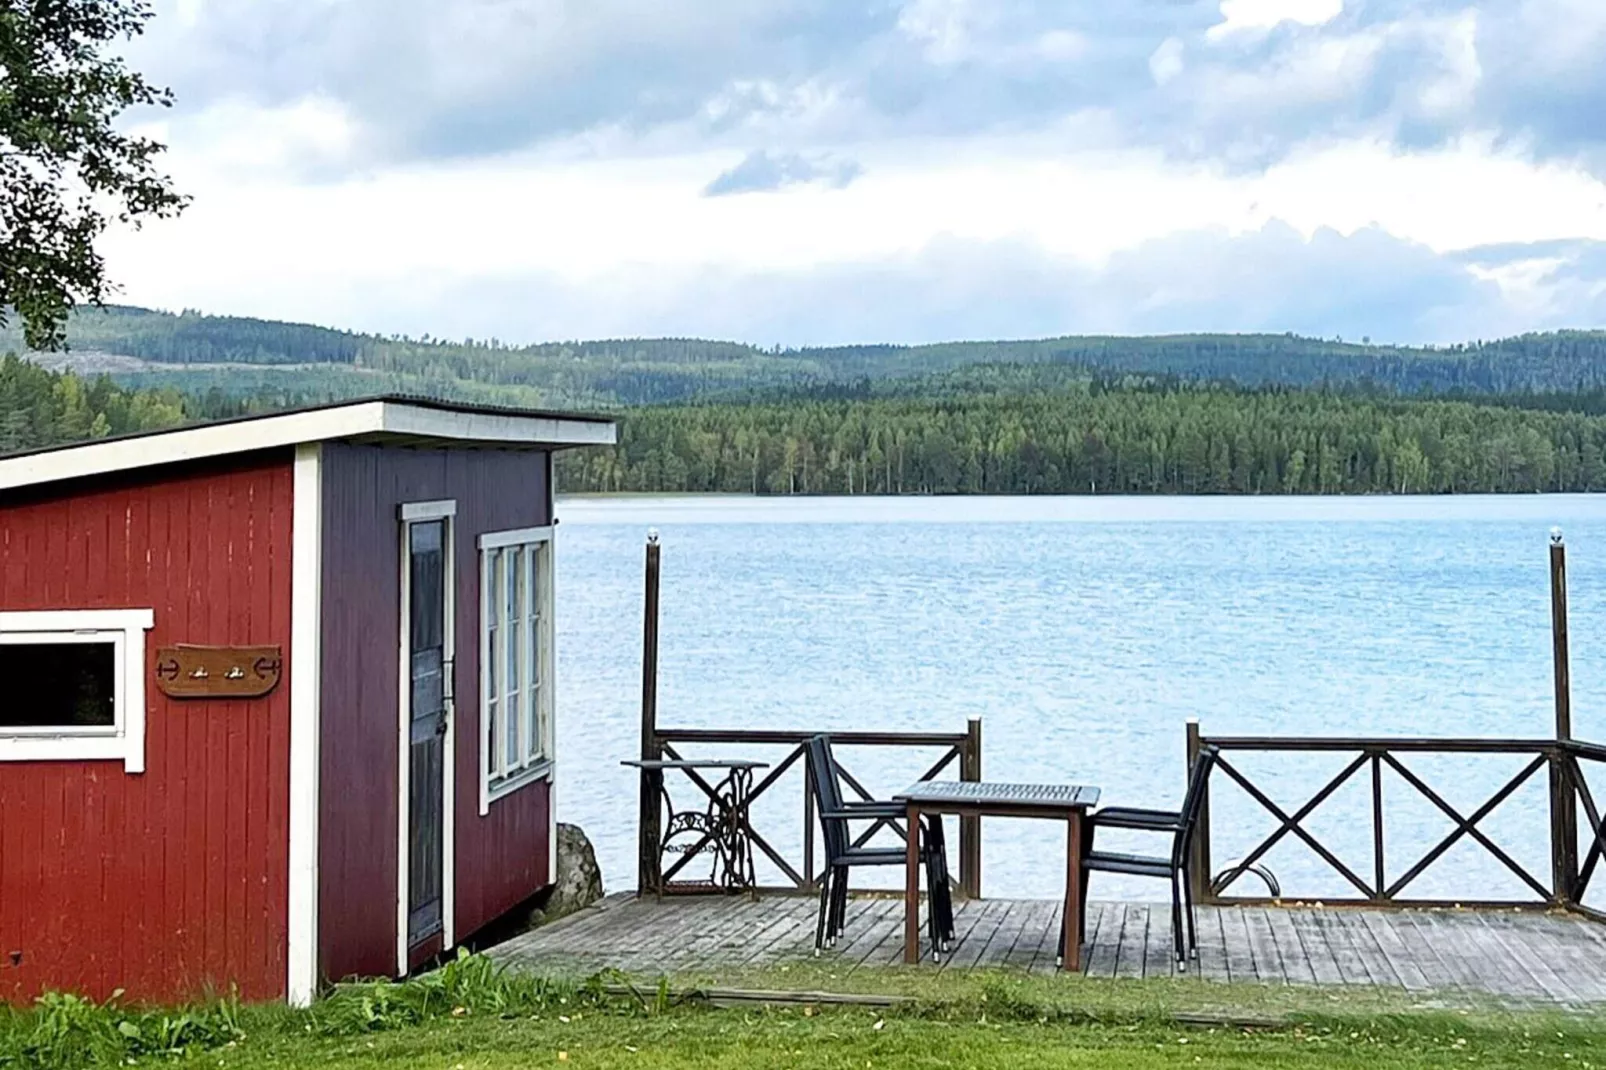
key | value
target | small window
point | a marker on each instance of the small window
(54, 684)
(74, 686)
(515, 659)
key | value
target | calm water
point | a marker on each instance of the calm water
(1085, 632)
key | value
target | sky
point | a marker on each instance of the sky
(804, 172)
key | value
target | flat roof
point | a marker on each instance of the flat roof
(390, 419)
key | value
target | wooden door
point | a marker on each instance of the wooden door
(428, 700)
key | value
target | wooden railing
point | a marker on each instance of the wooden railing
(958, 756)
(1576, 876)
(1564, 887)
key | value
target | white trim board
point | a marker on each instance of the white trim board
(495, 540)
(124, 740)
(381, 419)
(306, 682)
(428, 510)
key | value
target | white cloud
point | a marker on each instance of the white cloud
(942, 27)
(1240, 16)
(345, 150)
(1269, 279)
(1166, 62)
(580, 218)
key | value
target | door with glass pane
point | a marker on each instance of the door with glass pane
(426, 601)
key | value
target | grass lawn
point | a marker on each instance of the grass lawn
(469, 1016)
(854, 1038)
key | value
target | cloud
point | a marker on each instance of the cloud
(587, 154)
(1240, 16)
(1167, 61)
(440, 79)
(1273, 279)
(763, 171)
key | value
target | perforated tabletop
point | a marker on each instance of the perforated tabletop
(984, 794)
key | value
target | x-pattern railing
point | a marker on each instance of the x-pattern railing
(961, 750)
(1578, 786)
(1376, 755)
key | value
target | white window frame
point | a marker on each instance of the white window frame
(500, 778)
(124, 739)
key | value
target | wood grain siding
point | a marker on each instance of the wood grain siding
(171, 882)
(500, 859)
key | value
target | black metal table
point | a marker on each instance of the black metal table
(721, 829)
(1066, 802)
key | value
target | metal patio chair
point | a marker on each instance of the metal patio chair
(835, 815)
(1180, 825)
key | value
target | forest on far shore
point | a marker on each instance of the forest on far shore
(1134, 436)
(987, 429)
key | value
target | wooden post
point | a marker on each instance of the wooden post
(1563, 802)
(969, 825)
(648, 858)
(1199, 862)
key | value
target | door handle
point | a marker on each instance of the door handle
(441, 725)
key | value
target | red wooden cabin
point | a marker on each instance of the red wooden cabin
(276, 696)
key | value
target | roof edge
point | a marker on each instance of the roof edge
(402, 417)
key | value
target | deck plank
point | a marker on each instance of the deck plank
(1522, 958)
(1269, 965)
(869, 922)
(1305, 924)
(1028, 935)
(789, 933)
(1517, 956)
(1241, 964)
(1394, 954)
(1159, 950)
(1212, 962)
(1134, 948)
(1102, 955)
(997, 926)
(985, 922)
(1004, 937)
(1046, 952)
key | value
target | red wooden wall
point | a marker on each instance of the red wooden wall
(501, 859)
(171, 882)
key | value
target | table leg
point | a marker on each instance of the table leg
(911, 889)
(1071, 953)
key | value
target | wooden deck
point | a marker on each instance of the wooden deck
(1531, 957)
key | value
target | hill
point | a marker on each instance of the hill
(235, 356)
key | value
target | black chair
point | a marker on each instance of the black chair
(934, 851)
(1180, 825)
(841, 854)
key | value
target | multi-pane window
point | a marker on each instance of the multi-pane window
(73, 685)
(515, 658)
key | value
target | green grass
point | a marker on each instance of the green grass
(470, 1016)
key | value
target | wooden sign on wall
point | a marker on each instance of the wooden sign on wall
(186, 671)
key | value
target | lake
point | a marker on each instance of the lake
(1085, 632)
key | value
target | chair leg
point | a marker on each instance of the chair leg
(1085, 876)
(825, 908)
(841, 908)
(945, 920)
(939, 855)
(941, 899)
(837, 886)
(1176, 924)
(1187, 902)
